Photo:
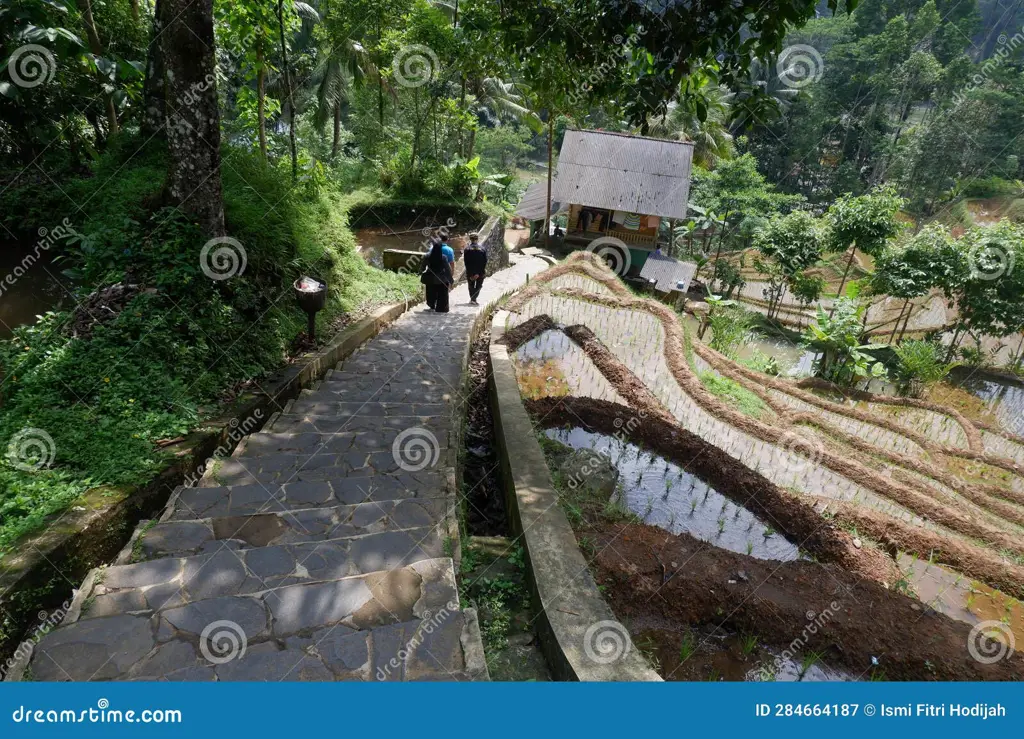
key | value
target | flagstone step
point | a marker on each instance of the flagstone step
(238, 500)
(316, 443)
(284, 468)
(159, 584)
(328, 615)
(303, 423)
(332, 408)
(343, 391)
(183, 538)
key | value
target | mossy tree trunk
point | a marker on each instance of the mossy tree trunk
(193, 116)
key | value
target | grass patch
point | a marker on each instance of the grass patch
(493, 580)
(733, 393)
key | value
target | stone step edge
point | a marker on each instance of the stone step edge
(444, 566)
(242, 450)
(448, 527)
(449, 492)
(315, 417)
(471, 639)
(123, 557)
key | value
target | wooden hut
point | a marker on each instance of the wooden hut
(621, 186)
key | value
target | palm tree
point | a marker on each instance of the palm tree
(763, 96)
(500, 102)
(710, 137)
(344, 65)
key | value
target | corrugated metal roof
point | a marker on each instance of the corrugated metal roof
(666, 273)
(531, 205)
(624, 172)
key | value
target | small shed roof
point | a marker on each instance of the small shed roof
(531, 206)
(666, 273)
(619, 171)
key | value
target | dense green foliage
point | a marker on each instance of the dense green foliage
(925, 94)
(181, 344)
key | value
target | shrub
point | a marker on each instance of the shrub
(920, 363)
(730, 327)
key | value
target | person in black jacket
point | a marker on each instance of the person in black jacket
(475, 259)
(437, 277)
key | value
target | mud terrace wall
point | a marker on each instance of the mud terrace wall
(893, 462)
(577, 628)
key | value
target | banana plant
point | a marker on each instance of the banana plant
(843, 359)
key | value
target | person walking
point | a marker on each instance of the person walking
(437, 276)
(475, 259)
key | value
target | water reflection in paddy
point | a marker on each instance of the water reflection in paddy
(552, 365)
(665, 495)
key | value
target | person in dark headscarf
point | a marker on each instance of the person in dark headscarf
(475, 259)
(437, 277)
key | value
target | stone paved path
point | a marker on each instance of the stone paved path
(321, 550)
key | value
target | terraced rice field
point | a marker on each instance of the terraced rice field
(933, 502)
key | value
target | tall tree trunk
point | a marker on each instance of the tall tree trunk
(135, 10)
(288, 91)
(380, 83)
(336, 143)
(193, 116)
(417, 127)
(842, 282)
(96, 47)
(896, 327)
(261, 98)
(906, 323)
(547, 203)
(154, 106)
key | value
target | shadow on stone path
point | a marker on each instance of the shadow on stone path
(321, 550)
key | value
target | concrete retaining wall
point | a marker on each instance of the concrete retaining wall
(576, 625)
(492, 236)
